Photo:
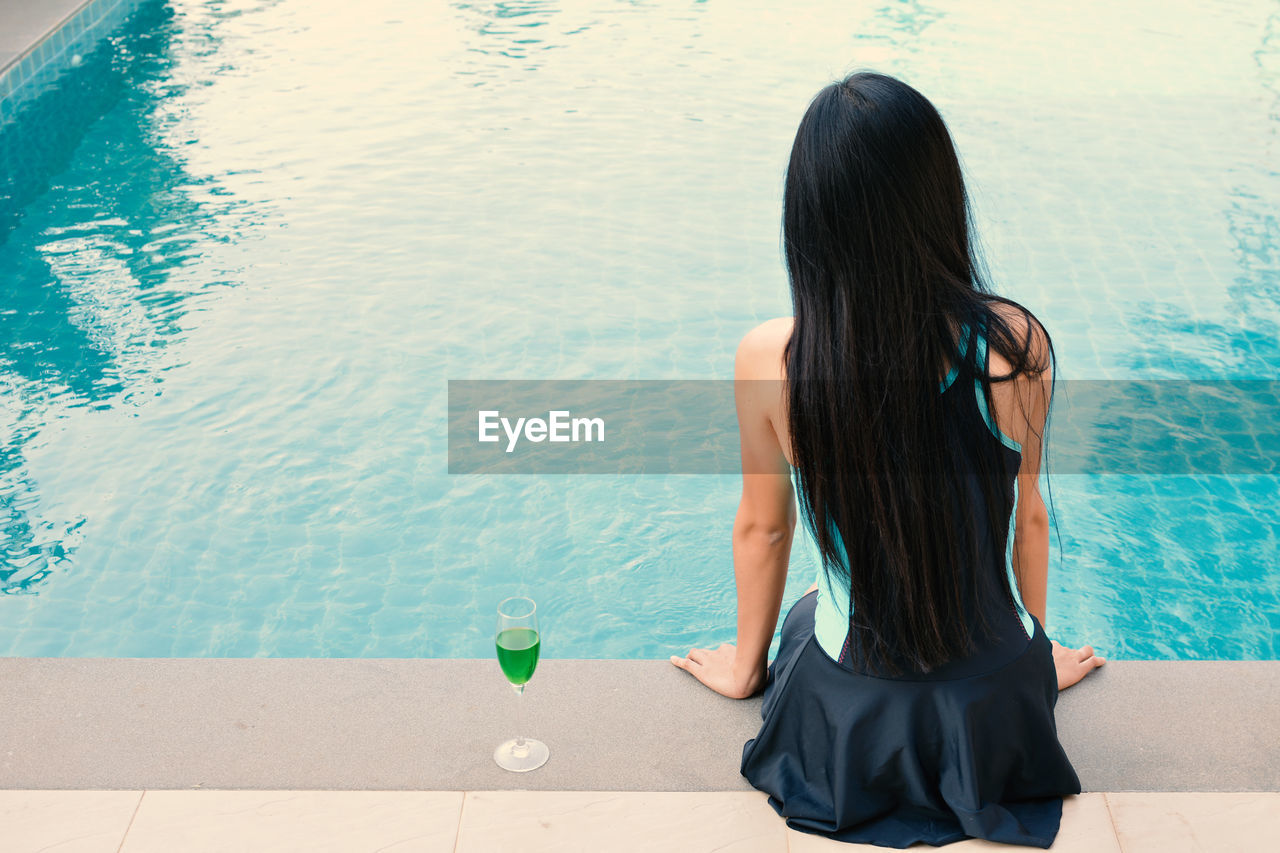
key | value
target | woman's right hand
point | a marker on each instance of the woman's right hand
(718, 670)
(1074, 664)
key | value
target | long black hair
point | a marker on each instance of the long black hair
(884, 275)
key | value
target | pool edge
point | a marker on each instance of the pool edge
(43, 39)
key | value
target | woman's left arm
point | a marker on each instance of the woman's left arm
(1027, 410)
(763, 527)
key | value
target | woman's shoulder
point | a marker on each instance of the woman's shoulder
(760, 352)
(1027, 335)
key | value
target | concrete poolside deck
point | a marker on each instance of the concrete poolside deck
(404, 724)
(313, 754)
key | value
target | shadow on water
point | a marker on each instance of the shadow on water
(97, 212)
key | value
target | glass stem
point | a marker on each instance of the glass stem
(520, 745)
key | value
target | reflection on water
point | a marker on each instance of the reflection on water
(907, 19)
(1172, 336)
(98, 214)
(512, 29)
(1178, 537)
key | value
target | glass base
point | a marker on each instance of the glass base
(521, 758)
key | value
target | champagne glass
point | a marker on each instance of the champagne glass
(517, 641)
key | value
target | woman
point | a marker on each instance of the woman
(904, 406)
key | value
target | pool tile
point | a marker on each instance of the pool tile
(1203, 823)
(314, 821)
(555, 821)
(70, 821)
(1086, 828)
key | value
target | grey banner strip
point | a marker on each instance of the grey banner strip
(1143, 427)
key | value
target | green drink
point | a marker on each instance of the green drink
(518, 653)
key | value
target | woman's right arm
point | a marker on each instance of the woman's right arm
(763, 526)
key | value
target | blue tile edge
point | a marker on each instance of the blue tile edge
(35, 70)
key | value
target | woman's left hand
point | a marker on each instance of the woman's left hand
(1074, 664)
(717, 669)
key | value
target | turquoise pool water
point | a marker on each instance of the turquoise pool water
(245, 246)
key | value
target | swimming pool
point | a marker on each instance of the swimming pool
(270, 232)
